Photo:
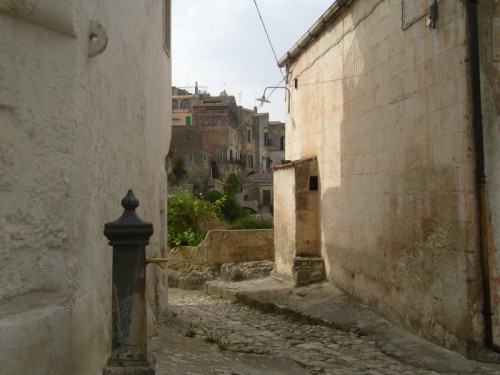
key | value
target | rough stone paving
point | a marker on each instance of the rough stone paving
(215, 336)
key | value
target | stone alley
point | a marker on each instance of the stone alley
(211, 335)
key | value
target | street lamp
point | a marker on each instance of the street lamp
(264, 100)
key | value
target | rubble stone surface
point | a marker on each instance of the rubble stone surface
(211, 335)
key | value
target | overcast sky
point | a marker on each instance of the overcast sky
(221, 44)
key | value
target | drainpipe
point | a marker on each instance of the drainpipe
(480, 170)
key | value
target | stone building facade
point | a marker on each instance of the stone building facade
(385, 179)
(82, 92)
(275, 143)
(214, 138)
(182, 106)
(205, 135)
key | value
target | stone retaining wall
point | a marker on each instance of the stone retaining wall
(223, 246)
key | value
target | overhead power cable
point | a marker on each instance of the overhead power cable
(267, 35)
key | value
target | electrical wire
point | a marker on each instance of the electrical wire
(268, 38)
(276, 86)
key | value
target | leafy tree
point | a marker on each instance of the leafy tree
(196, 187)
(232, 185)
(178, 172)
(232, 210)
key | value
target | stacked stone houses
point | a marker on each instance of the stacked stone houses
(214, 137)
(393, 176)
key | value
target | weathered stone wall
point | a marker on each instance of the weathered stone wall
(284, 219)
(297, 212)
(246, 118)
(184, 143)
(489, 38)
(276, 131)
(212, 139)
(224, 246)
(385, 109)
(211, 115)
(306, 210)
(260, 124)
(76, 133)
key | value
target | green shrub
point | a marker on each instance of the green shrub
(230, 209)
(212, 196)
(232, 185)
(184, 238)
(188, 217)
(251, 223)
(178, 172)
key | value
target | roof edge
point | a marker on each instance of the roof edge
(324, 21)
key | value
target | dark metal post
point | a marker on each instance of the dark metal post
(129, 236)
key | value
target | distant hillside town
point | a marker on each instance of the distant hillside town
(213, 137)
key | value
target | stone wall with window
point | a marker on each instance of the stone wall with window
(384, 103)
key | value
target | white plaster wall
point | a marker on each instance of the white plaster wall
(284, 219)
(386, 111)
(76, 133)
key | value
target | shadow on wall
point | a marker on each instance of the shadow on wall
(395, 227)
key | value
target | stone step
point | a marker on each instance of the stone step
(308, 270)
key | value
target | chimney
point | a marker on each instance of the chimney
(196, 88)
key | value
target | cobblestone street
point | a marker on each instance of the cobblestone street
(230, 338)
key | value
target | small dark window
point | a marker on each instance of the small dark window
(214, 171)
(313, 183)
(189, 160)
(296, 83)
(189, 135)
(266, 198)
(249, 161)
(185, 104)
(268, 142)
(175, 104)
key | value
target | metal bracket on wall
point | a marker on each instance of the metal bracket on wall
(98, 38)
